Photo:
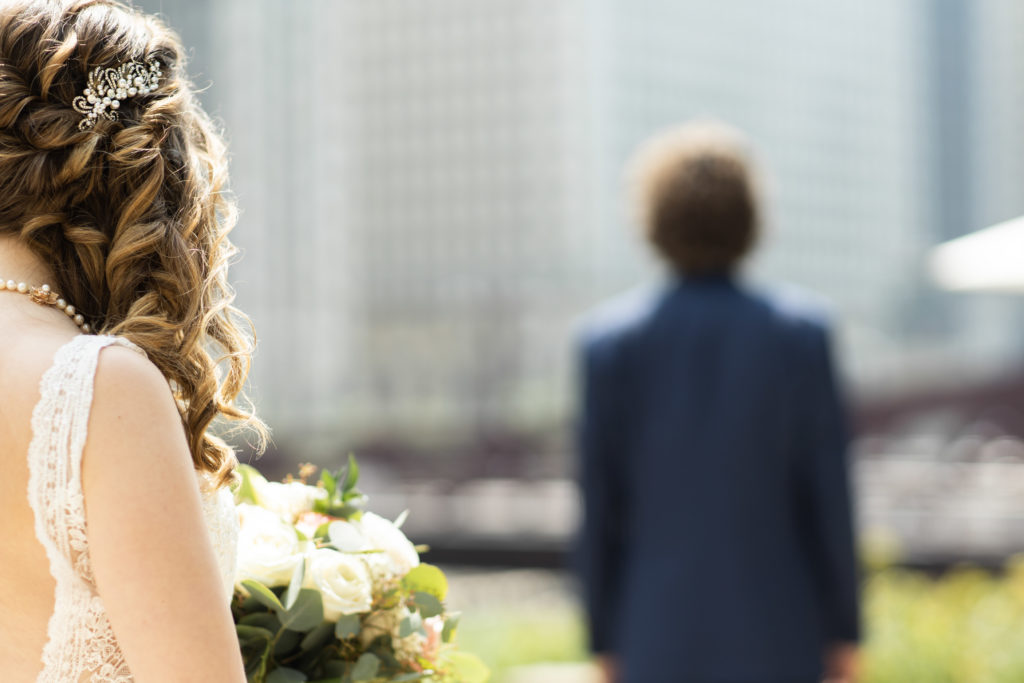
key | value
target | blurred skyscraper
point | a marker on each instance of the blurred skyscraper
(431, 190)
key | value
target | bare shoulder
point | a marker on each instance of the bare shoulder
(125, 376)
(134, 424)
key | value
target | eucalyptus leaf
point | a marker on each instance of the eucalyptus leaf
(386, 656)
(287, 643)
(329, 482)
(411, 624)
(451, 624)
(306, 613)
(263, 594)
(351, 475)
(247, 633)
(344, 511)
(254, 644)
(295, 584)
(246, 489)
(316, 638)
(250, 604)
(285, 675)
(348, 626)
(426, 578)
(428, 604)
(416, 676)
(253, 668)
(267, 620)
(336, 667)
(366, 667)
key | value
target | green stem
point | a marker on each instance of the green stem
(264, 661)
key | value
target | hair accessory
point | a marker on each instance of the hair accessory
(108, 87)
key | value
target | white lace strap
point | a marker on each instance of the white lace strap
(59, 423)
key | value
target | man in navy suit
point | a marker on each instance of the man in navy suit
(717, 542)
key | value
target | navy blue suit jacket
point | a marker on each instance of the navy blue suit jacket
(717, 542)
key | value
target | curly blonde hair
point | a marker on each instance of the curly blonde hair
(695, 193)
(132, 215)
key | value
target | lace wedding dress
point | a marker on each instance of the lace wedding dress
(80, 644)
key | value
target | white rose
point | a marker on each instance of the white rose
(348, 537)
(398, 554)
(288, 500)
(268, 549)
(342, 581)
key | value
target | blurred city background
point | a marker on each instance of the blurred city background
(432, 195)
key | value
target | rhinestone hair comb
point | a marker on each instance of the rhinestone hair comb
(108, 87)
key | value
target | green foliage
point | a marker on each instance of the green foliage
(466, 668)
(966, 626)
(450, 625)
(348, 626)
(306, 613)
(318, 637)
(366, 667)
(245, 489)
(263, 595)
(426, 578)
(427, 604)
(507, 635)
(352, 475)
(344, 501)
(411, 624)
(286, 675)
(329, 481)
(262, 619)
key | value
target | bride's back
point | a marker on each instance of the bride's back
(115, 561)
(26, 587)
(84, 439)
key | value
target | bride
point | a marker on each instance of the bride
(118, 544)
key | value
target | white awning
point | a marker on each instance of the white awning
(989, 260)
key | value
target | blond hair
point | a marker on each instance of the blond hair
(694, 194)
(132, 215)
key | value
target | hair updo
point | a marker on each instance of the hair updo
(132, 215)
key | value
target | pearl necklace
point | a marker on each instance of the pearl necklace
(44, 296)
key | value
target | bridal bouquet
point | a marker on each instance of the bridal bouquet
(332, 593)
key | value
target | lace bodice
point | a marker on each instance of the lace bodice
(81, 645)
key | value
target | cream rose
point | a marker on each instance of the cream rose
(343, 582)
(268, 549)
(288, 500)
(348, 537)
(398, 555)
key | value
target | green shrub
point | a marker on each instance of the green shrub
(966, 626)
